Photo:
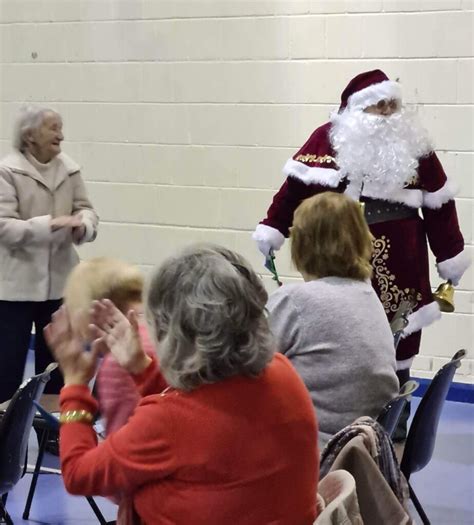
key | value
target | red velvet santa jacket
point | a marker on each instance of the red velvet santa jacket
(313, 170)
(400, 263)
(241, 451)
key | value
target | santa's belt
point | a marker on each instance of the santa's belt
(382, 211)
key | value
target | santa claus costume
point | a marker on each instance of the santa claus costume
(388, 163)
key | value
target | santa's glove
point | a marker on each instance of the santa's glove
(267, 239)
(454, 268)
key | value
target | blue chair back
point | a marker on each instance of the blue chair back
(15, 427)
(392, 411)
(422, 433)
(50, 421)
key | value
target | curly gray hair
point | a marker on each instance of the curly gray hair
(206, 307)
(29, 117)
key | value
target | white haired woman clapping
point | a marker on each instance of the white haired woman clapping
(44, 210)
(232, 440)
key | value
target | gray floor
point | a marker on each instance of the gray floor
(446, 486)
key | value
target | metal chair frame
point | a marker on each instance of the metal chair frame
(46, 423)
(422, 433)
(392, 411)
(15, 426)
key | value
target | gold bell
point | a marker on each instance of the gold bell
(444, 296)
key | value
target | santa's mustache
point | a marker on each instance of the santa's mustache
(381, 150)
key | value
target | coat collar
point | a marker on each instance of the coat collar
(18, 163)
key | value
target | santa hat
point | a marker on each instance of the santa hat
(369, 88)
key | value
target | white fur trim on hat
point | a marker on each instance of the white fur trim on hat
(423, 317)
(371, 95)
(270, 235)
(312, 175)
(454, 268)
(436, 199)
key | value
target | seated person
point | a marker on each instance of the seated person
(332, 326)
(122, 283)
(233, 439)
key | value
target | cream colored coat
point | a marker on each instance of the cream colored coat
(34, 261)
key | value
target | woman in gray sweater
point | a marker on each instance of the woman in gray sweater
(333, 327)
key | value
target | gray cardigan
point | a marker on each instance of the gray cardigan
(336, 334)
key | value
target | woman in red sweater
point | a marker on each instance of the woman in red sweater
(233, 440)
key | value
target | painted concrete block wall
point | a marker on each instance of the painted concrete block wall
(182, 112)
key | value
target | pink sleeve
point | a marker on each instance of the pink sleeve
(117, 392)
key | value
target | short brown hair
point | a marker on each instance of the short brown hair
(330, 237)
(102, 278)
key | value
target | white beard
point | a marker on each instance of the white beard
(382, 153)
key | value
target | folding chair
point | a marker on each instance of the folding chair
(47, 423)
(392, 411)
(15, 426)
(422, 433)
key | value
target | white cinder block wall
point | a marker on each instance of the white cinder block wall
(182, 112)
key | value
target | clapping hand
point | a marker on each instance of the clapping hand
(77, 364)
(78, 233)
(119, 333)
(66, 221)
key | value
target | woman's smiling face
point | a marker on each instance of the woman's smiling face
(44, 143)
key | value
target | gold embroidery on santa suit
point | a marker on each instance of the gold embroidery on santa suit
(316, 159)
(390, 294)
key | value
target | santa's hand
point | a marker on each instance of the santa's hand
(267, 239)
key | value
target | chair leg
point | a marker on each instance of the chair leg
(34, 478)
(96, 510)
(418, 507)
(25, 466)
(4, 516)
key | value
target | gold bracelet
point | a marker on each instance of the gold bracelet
(76, 416)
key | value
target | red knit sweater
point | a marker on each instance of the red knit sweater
(240, 452)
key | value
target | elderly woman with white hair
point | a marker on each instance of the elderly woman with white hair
(44, 210)
(232, 440)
